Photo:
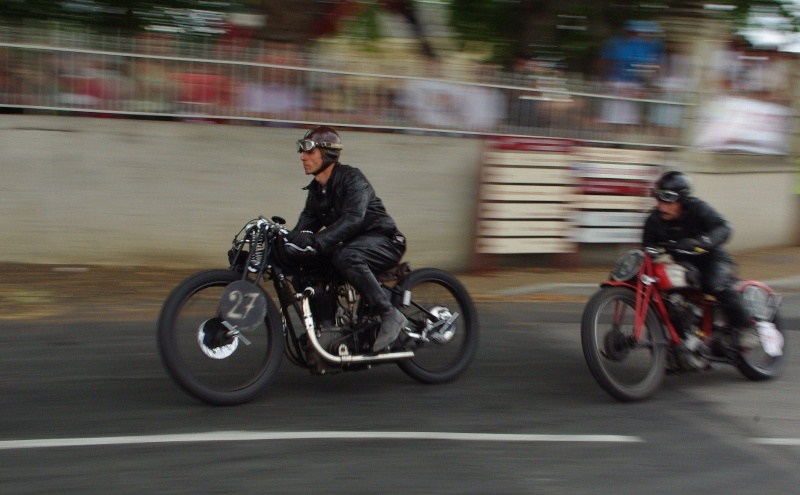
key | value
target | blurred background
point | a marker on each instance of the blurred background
(138, 136)
(667, 76)
(567, 68)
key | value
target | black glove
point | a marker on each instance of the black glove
(302, 239)
(690, 245)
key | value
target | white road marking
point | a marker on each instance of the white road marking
(777, 441)
(249, 436)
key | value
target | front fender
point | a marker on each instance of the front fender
(615, 283)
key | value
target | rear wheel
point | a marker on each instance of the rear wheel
(757, 364)
(627, 368)
(201, 353)
(443, 326)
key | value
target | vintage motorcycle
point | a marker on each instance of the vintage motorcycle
(221, 336)
(651, 317)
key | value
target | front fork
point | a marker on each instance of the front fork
(646, 292)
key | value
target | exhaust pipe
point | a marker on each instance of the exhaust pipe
(308, 323)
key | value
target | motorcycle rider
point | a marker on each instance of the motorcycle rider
(692, 225)
(343, 221)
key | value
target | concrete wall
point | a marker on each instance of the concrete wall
(84, 191)
(754, 192)
(81, 190)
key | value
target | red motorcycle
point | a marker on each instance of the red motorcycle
(651, 317)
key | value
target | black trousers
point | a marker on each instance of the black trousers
(719, 277)
(358, 260)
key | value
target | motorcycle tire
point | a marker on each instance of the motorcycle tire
(447, 353)
(199, 354)
(626, 370)
(757, 365)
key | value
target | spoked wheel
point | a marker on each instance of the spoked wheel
(627, 368)
(204, 355)
(757, 364)
(443, 326)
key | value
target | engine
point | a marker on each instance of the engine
(333, 307)
(685, 315)
(687, 318)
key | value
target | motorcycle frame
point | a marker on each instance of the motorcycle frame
(649, 295)
(289, 297)
(301, 303)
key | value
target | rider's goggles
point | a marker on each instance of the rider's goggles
(666, 196)
(307, 145)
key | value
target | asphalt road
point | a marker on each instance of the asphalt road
(88, 409)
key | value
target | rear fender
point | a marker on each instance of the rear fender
(744, 284)
(760, 299)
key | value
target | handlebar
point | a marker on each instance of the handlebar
(261, 224)
(275, 223)
(670, 246)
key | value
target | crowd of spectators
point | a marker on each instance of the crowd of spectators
(641, 80)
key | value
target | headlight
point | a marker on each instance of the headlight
(627, 265)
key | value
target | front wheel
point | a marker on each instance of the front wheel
(201, 353)
(443, 326)
(627, 368)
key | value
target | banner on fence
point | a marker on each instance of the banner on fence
(743, 124)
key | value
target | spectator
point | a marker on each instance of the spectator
(627, 64)
(272, 92)
(156, 89)
(673, 78)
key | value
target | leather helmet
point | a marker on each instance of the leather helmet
(326, 139)
(673, 186)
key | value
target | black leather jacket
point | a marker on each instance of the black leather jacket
(346, 207)
(699, 221)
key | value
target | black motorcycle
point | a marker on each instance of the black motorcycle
(221, 336)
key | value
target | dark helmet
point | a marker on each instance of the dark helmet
(324, 138)
(673, 186)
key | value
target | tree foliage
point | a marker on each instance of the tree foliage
(102, 15)
(571, 30)
(565, 30)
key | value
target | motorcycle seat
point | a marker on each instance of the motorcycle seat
(699, 296)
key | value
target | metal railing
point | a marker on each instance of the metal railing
(194, 82)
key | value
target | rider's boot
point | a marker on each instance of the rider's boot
(392, 322)
(745, 334)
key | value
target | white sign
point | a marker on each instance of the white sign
(742, 124)
(454, 106)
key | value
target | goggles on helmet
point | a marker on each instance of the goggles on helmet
(666, 196)
(307, 145)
